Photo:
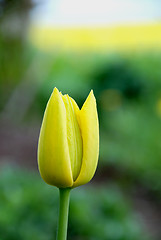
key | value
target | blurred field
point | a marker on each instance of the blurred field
(29, 210)
(113, 38)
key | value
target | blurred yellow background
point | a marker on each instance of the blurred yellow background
(113, 38)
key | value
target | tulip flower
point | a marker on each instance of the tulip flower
(68, 143)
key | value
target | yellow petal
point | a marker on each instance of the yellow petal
(74, 137)
(53, 151)
(75, 106)
(88, 121)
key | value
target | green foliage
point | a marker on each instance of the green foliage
(28, 210)
(131, 131)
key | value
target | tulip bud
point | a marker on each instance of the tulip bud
(69, 141)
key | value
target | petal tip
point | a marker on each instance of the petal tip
(89, 100)
(55, 90)
(91, 96)
(91, 93)
(56, 93)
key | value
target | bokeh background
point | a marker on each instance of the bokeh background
(114, 48)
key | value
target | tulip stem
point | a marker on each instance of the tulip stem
(64, 196)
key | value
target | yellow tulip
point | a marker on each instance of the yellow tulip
(69, 141)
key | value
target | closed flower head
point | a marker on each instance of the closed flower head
(69, 141)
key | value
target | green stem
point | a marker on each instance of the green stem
(64, 196)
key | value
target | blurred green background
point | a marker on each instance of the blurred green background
(123, 201)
